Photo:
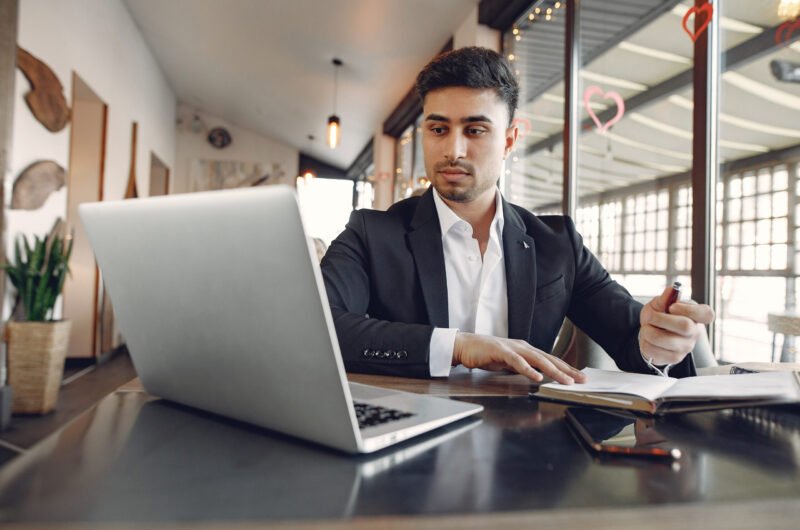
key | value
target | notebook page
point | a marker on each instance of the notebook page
(650, 387)
(737, 386)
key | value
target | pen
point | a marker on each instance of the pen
(674, 296)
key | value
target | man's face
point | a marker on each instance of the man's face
(465, 137)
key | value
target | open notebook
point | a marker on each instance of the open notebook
(658, 395)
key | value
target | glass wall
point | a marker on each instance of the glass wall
(759, 150)
(635, 146)
(404, 165)
(635, 151)
(633, 166)
(535, 47)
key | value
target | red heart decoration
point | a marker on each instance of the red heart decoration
(705, 9)
(523, 124)
(591, 91)
(784, 32)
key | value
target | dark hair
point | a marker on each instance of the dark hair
(471, 67)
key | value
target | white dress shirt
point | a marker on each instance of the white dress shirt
(477, 301)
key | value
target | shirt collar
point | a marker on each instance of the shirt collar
(448, 218)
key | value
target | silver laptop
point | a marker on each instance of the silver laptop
(223, 307)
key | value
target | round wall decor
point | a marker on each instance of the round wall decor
(219, 137)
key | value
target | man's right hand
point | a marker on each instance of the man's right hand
(493, 353)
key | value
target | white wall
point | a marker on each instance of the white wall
(99, 41)
(470, 33)
(247, 146)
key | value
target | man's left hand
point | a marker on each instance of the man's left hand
(667, 336)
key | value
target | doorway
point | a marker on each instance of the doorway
(159, 176)
(84, 184)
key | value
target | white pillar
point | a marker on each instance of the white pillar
(470, 33)
(383, 156)
(9, 14)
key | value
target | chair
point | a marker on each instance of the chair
(787, 324)
(575, 347)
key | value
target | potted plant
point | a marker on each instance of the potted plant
(37, 344)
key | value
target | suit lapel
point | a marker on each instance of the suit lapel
(425, 241)
(519, 255)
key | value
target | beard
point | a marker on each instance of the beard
(465, 190)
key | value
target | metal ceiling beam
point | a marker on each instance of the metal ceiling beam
(597, 51)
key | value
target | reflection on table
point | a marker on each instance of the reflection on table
(138, 459)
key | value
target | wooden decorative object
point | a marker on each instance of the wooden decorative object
(36, 352)
(46, 97)
(275, 175)
(35, 184)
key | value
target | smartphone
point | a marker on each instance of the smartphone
(619, 433)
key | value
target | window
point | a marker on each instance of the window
(325, 205)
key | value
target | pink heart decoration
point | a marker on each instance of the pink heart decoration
(784, 32)
(523, 124)
(705, 9)
(614, 96)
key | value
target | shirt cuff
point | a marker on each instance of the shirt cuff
(663, 370)
(440, 357)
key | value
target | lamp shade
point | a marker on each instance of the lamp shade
(333, 131)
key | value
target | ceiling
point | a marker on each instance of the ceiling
(265, 65)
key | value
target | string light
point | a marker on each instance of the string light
(515, 31)
(511, 57)
(558, 5)
(531, 16)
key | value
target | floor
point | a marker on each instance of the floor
(84, 384)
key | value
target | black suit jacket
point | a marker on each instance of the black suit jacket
(386, 284)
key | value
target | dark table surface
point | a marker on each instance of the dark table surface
(135, 458)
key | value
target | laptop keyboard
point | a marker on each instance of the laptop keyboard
(372, 415)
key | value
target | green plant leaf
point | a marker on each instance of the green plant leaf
(38, 272)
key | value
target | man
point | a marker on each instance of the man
(460, 276)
